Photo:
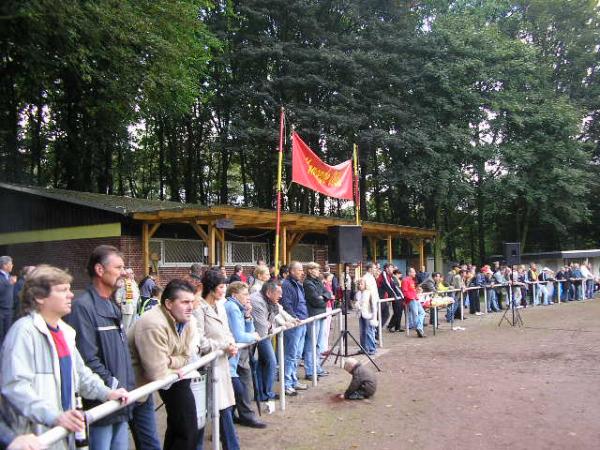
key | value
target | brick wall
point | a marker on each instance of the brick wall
(73, 255)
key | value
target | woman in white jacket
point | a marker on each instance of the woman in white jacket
(367, 307)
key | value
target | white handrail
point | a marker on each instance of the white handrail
(98, 412)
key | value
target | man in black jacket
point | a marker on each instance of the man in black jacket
(7, 282)
(103, 346)
(316, 299)
(388, 289)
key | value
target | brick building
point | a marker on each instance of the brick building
(61, 227)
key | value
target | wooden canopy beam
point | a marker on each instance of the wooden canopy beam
(200, 232)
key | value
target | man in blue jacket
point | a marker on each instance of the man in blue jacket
(102, 343)
(294, 303)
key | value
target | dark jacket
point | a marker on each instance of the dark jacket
(293, 300)
(316, 296)
(17, 288)
(363, 380)
(102, 343)
(234, 277)
(6, 293)
(6, 435)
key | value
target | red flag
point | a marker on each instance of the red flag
(309, 171)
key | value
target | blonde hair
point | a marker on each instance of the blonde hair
(261, 270)
(362, 281)
(235, 288)
(38, 284)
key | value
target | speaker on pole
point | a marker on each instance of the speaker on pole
(344, 244)
(512, 253)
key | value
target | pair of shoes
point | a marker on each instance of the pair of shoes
(300, 387)
(252, 423)
(401, 330)
(323, 374)
(420, 333)
(479, 313)
(290, 391)
(391, 330)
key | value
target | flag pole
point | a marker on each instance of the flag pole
(279, 175)
(356, 184)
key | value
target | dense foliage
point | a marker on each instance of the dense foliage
(478, 117)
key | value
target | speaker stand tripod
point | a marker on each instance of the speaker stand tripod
(342, 350)
(516, 315)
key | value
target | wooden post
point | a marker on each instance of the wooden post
(389, 248)
(421, 254)
(212, 257)
(222, 239)
(284, 254)
(373, 242)
(145, 249)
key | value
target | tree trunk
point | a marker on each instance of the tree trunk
(480, 220)
(439, 240)
(376, 186)
(191, 167)
(161, 158)
(525, 228)
(244, 175)
(223, 188)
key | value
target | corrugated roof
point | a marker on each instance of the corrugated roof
(112, 203)
(159, 210)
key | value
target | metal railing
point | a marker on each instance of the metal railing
(94, 414)
(461, 297)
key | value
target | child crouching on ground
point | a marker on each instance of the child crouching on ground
(363, 384)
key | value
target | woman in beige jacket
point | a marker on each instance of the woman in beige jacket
(214, 334)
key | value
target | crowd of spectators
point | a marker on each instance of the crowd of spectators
(117, 335)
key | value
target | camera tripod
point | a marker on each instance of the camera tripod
(342, 346)
(516, 315)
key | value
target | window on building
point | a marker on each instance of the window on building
(247, 252)
(177, 252)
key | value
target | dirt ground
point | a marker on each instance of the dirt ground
(487, 387)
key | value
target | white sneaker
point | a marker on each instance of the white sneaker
(479, 313)
(270, 407)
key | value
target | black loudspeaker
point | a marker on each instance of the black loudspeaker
(345, 244)
(512, 253)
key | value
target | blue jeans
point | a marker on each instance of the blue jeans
(564, 291)
(292, 342)
(143, 426)
(308, 354)
(229, 438)
(492, 300)
(451, 308)
(367, 336)
(265, 371)
(417, 313)
(301, 338)
(109, 437)
(543, 292)
(589, 288)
